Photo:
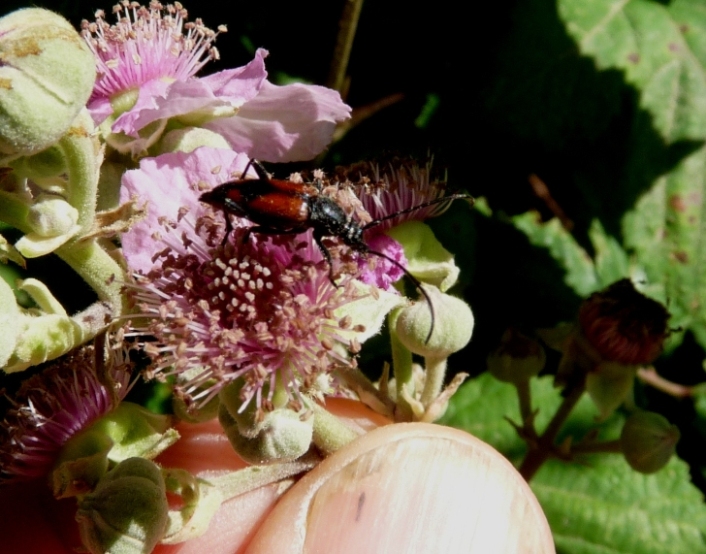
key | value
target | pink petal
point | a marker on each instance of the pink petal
(284, 124)
(160, 100)
(166, 184)
(100, 109)
(241, 84)
(385, 273)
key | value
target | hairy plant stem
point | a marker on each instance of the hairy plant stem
(330, 433)
(402, 371)
(435, 369)
(254, 477)
(100, 270)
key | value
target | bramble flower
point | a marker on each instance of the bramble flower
(146, 81)
(52, 407)
(262, 310)
(146, 45)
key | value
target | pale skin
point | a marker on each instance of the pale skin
(402, 488)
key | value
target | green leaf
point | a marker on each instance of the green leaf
(580, 270)
(595, 504)
(608, 508)
(662, 52)
(612, 262)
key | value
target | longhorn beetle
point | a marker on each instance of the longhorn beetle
(279, 207)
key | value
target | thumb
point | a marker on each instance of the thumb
(408, 488)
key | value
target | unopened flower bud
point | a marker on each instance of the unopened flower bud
(517, 359)
(51, 216)
(46, 76)
(648, 441)
(136, 431)
(127, 512)
(453, 325)
(623, 325)
(282, 436)
(53, 221)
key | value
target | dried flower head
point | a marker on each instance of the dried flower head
(623, 325)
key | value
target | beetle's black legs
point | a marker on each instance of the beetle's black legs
(259, 169)
(327, 256)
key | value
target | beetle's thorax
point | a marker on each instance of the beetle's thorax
(328, 219)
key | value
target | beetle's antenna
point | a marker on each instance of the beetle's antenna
(415, 208)
(416, 283)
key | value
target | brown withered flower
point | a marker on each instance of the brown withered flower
(623, 325)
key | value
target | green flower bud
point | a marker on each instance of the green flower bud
(648, 441)
(517, 359)
(43, 168)
(453, 325)
(282, 436)
(46, 76)
(82, 463)
(127, 512)
(53, 221)
(51, 215)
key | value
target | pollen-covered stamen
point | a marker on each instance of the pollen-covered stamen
(233, 286)
(261, 310)
(146, 44)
